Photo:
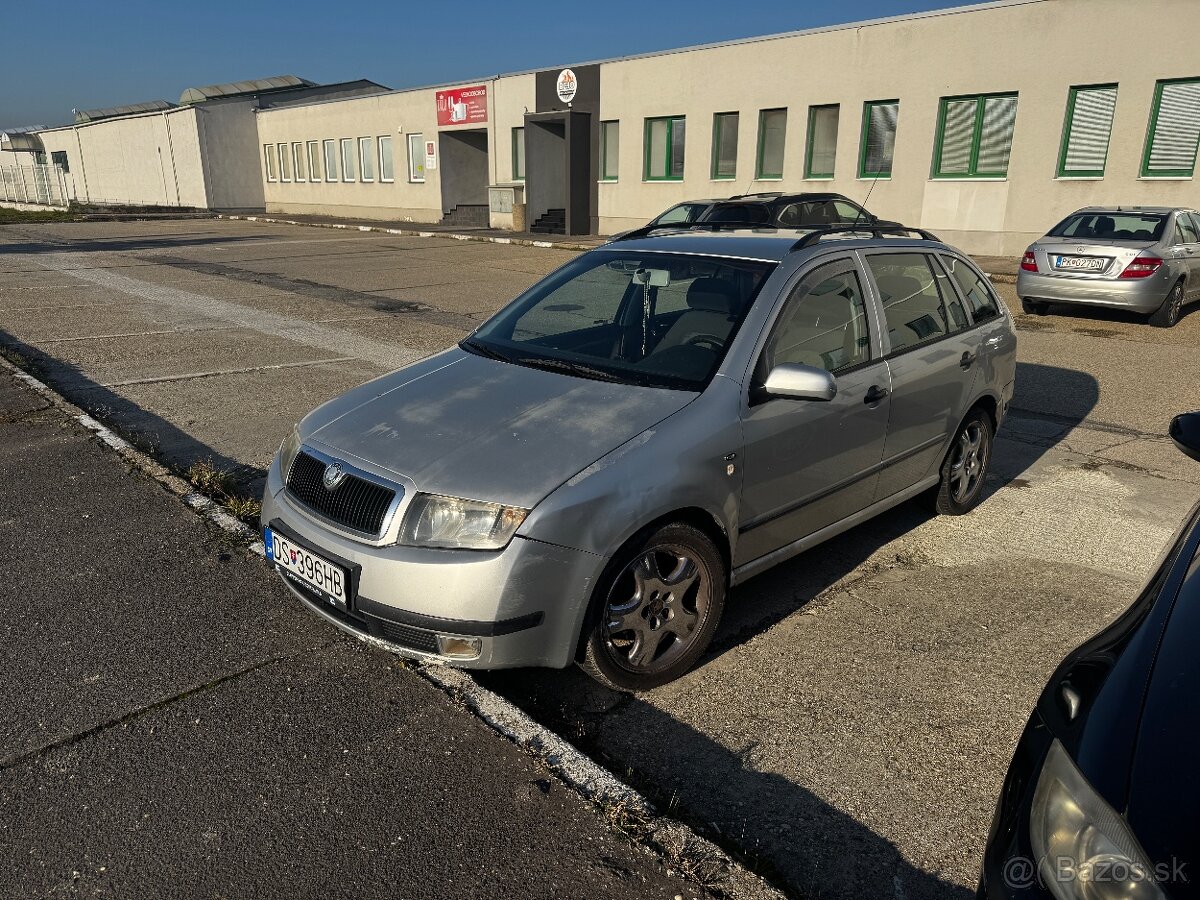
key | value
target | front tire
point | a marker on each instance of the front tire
(655, 610)
(966, 466)
(1167, 315)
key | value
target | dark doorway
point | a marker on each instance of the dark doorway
(558, 172)
(464, 177)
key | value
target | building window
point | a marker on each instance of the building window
(725, 144)
(974, 137)
(59, 158)
(366, 156)
(285, 162)
(610, 150)
(664, 148)
(298, 161)
(314, 161)
(331, 160)
(518, 154)
(772, 128)
(878, 144)
(348, 165)
(269, 156)
(416, 158)
(821, 153)
(387, 165)
(1086, 132)
(1174, 133)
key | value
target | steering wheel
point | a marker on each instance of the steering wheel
(706, 342)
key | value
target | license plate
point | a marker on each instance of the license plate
(1080, 263)
(297, 562)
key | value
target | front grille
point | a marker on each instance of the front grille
(356, 503)
(404, 635)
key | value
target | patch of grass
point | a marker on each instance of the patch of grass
(34, 216)
(627, 819)
(245, 508)
(221, 485)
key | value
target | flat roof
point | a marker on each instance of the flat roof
(113, 112)
(240, 88)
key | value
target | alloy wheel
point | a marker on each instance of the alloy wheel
(969, 464)
(655, 608)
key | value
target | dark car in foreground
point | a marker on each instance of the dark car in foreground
(1102, 797)
(807, 210)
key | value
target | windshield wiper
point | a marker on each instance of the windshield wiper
(483, 350)
(563, 365)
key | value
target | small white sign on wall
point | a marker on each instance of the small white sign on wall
(430, 155)
(566, 86)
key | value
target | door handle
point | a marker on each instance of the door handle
(874, 394)
(967, 359)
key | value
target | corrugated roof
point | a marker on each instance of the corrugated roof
(23, 138)
(238, 88)
(94, 115)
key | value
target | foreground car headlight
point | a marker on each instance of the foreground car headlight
(436, 521)
(1085, 851)
(287, 452)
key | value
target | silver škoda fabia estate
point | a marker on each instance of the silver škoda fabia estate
(584, 477)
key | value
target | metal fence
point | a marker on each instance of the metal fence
(46, 185)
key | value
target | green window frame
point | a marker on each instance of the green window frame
(774, 120)
(610, 150)
(675, 136)
(992, 120)
(876, 152)
(518, 153)
(725, 132)
(813, 138)
(1087, 131)
(1178, 127)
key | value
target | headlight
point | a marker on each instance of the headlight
(287, 452)
(1084, 849)
(436, 521)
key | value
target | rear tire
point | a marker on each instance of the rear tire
(1034, 307)
(1167, 315)
(965, 467)
(655, 609)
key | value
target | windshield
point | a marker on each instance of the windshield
(1114, 226)
(656, 319)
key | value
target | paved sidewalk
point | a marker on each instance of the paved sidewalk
(176, 726)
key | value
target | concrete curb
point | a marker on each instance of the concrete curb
(683, 850)
(413, 232)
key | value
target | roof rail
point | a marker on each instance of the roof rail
(647, 230)
(876, 230)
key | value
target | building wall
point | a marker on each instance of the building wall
(1038, 49)
(151, 159)
(399, 114)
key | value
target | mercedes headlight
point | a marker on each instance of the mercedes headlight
(436, 521)
(287, 453)
(1085, 851)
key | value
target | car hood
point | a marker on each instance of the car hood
(466, 426)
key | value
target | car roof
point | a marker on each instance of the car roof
(766, 244)
(781, 199)
(1153, 210)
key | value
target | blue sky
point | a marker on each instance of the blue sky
(98, 53)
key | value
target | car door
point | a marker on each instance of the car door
(932, 355)
(1189, 224)
(810, 463)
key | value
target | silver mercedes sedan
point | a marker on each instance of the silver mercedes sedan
(1141, 258)
(585, 476)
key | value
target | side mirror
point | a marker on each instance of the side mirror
(1185, 432)
(798, 382)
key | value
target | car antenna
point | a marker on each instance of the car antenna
(863, 208)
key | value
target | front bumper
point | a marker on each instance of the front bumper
(1143, 295)
(524, 604)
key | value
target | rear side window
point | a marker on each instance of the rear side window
(748, 213)
(978, 292)
(912, 299)
(823, 323)
(684, 212)
(1185, 229)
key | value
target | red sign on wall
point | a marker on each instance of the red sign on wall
(462, 106)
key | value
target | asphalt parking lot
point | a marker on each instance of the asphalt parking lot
(850, 728)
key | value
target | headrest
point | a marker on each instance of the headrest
(1105, 224)
(712, 295)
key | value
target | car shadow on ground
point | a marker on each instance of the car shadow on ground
(38, 243)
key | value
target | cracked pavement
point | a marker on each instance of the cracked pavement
(849, 730)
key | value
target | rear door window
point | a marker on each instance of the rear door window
(1185, 229)
(978, 293)
(913, 301)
